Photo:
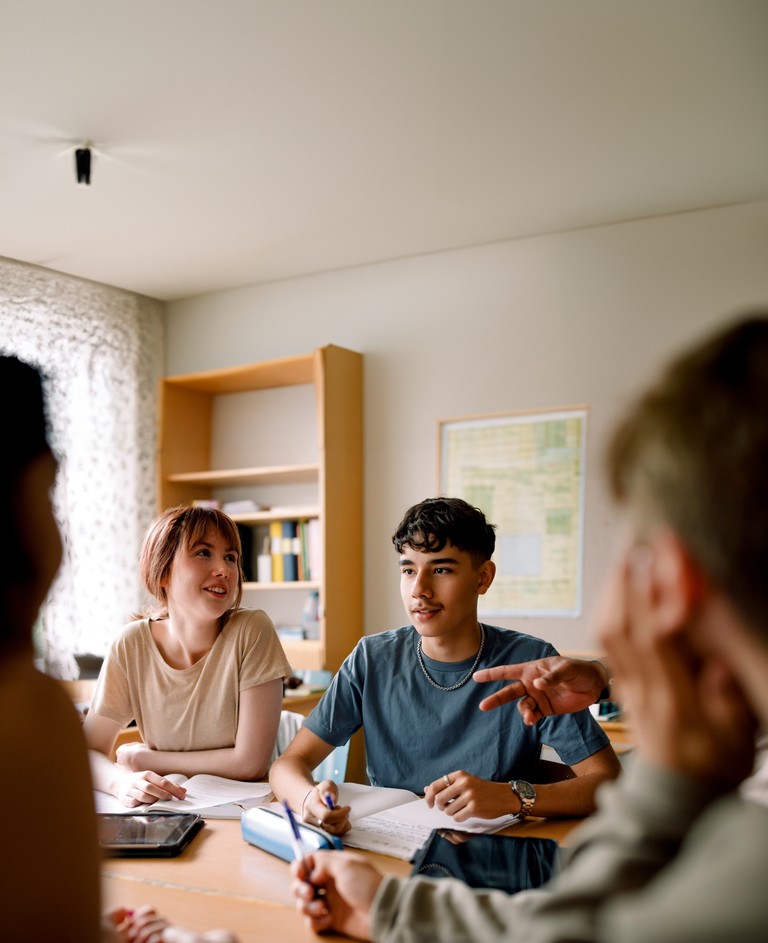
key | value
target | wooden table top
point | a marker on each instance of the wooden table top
(221, 881)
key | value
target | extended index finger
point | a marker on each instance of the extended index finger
(499, 673)
(512, 692)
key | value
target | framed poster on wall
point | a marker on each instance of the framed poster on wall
(525, 471)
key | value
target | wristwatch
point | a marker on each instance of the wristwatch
(525, 793)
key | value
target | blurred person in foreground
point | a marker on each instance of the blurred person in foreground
(675, 852)
(50, 888)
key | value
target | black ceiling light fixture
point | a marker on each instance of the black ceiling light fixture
(83, 164)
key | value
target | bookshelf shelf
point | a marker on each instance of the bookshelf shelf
(308, 512)
(287, 435)
(285, 474)
(292, 584)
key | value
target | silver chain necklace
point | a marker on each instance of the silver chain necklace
(466, 677)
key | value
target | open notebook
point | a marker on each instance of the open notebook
(211, 796)
(397, 822)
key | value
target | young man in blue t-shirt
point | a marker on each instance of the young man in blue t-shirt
(410, 689)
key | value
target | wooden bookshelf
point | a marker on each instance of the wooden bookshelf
(229, 434)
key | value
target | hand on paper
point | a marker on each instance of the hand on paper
(316, 810)
(688, 713)
(347, 885)
(144, 786)
(147, 787)
(544, 687)
(469, 797)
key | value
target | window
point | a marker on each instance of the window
(100, 350)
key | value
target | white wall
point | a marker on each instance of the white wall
(564, 319)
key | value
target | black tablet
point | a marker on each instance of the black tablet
(505, 862)
(147, 834)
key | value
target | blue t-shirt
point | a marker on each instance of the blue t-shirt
(414, 732)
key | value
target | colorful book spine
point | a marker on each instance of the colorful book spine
(314, 550)
(264, 563)
(276, 549)
(301, 549)
(290, 559)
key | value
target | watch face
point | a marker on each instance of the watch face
(524, 790)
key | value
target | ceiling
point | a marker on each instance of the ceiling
(240, 141)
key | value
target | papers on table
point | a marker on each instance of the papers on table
(211, 796)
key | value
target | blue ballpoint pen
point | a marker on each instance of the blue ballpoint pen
(300, 850)
(297, 842)
(328, 800)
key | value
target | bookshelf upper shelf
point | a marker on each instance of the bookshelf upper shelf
(274, 474)
(287, 371)
(297, 512)
(293, 584)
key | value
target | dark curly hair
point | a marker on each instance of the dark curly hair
(435, 522)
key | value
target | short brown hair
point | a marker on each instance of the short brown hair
(693, 453)
(176, 529)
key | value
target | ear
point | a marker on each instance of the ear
(485, 577)
(676, 583)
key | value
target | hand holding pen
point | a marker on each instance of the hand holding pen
(301, 853)
(320, 809)
(332, 901)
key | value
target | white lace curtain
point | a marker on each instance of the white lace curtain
(100, 350)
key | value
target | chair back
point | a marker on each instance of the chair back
(334, 766)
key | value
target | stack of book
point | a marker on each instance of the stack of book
(294, 547)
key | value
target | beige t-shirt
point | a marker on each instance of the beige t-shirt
(193, 708)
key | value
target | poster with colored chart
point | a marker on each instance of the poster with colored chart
(525, 471)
